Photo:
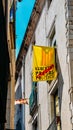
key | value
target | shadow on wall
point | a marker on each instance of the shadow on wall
(18, 108)
(18, 126)
(60, 82)
(4, 65)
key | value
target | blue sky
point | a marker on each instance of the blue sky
(23, 12)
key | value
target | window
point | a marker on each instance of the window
(57, 110)
(35, 125)
(33, 99)
(56, 104)
(55, 122)
(48, 3)
(52, 43)
(52, 37)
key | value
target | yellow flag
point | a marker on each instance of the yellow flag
(43, 66)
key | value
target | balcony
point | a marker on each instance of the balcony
(33, 100)
(55, 122)
(53, 125)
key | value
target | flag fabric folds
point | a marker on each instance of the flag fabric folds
(43, 65)
(11, 12)
(21, 101)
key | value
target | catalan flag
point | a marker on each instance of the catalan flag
(21, 101)
(43, 66)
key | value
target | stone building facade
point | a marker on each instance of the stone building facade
(10, 24)
(8, 40)
(4, 66)
(51, 102)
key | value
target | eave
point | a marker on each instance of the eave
(36, 13)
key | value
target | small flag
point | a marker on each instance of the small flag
(21, 101)
(43, 66)
(11, 12)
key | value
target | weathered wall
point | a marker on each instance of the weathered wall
(55, 15)
(59, 15)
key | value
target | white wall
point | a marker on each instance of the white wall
(55, 12)
(28, 83)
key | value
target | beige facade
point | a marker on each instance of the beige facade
(54, 107)
(11, 83)
(7, 66)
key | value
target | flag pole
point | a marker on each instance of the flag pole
(23, 92)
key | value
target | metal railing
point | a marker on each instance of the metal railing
(53, 125)
(33, 101)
